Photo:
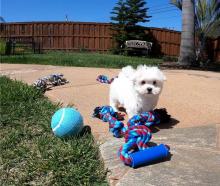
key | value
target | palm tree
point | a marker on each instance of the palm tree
(187, 46)
(207, 22)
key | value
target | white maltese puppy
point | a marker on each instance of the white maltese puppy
(137, 90)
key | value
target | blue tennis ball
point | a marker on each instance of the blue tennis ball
(66, 122)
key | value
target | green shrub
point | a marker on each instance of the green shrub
(2, 46)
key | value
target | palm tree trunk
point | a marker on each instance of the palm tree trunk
(187, 46)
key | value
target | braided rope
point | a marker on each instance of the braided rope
(53, 79)
(136, 137)
(104, 79)
(40, 84)
(107, 114)
(136, 134)
(146, 118)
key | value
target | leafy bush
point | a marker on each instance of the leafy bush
(2, 46)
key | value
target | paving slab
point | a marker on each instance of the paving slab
(195, 160)
(191, 97)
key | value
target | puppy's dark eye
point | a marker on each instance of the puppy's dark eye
(154, 82)
(143, 82)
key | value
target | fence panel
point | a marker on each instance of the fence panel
(89, 36)
(216, 49)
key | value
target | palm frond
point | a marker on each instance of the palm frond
(177, 3)
(207, 19)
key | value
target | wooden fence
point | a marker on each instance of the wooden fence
(61, 35)
(214, 49)
(89, 36)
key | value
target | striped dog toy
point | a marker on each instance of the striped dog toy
(136, 137)
(107, 114)
(104, 79)
(51, 80)
(136, 134)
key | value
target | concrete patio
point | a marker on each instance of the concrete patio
(192, 98)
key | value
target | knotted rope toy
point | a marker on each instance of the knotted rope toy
(104, 79)
(51, 80)
(136, 134)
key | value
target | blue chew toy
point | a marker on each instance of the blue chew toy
(66, 122)
(149, 155)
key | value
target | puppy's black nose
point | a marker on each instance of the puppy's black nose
(149, 89)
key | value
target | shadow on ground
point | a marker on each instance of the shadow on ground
(214, 67)
(167, 125)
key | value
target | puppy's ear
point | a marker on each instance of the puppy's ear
(134, 77)
(128, 71)
(160, 74)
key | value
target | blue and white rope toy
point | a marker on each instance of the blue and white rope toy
(104, 79)
(51, 80)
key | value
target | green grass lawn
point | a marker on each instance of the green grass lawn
(29, 152)
(80, 59)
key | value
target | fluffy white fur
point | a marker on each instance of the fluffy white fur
(137, 90)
